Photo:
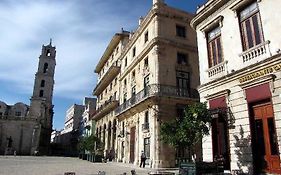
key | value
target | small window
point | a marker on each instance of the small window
(133, 74)
(45, 68)
(126, 62)
(41, 93)
(146, 37)
(181, 31)
(146, 117)
(146, 62)
(125, 82)
(1, 113)
(42, 83)
(48, 53)
(133, 90)
(18, 113)
(182, 58)
(134, 51)
(115, 81)
(125, 97)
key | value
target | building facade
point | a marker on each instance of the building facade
(146, 77)
(240, 59)
(27, 129)
(87, 125)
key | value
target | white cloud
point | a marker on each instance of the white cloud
(79, 30)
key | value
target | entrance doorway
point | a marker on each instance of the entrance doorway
(220, 140)
(264, 139)
(132, 144)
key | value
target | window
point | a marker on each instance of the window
(115, 81)
(134, 52)
(45, 68)
(180, 31)
(133, 91)
(182, 58)
(125, 97)
(146, 37)
(214, 47)
(110, 86)
(147, 147)
(180, 111)
(42, 83)
(48, 53)
(41, 93)
(18, 113)
(1, 113)
(146, 62)
(133, 76)
(125, 61)
(146, 118)
(250, 26)
(183, 83)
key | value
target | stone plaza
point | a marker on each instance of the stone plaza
(29, 165)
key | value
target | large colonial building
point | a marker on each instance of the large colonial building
(27, 129)
(240, 71)
(145, 77)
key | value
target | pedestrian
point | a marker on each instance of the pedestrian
(143, 158)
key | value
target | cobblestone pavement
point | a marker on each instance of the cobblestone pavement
(28, 165)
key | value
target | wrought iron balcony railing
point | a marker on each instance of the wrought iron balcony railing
(105, 108)
(107, 78)
(157, 90)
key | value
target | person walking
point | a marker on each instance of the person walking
(143, 158)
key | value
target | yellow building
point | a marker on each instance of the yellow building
(146, 77)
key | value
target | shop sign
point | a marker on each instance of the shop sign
(260, 73)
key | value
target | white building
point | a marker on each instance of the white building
(240, 72)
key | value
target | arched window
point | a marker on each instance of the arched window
(45, 68)
(48, 53)
(41, 93)
(42, 83)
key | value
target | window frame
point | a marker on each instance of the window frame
(252, 36)
(214, 42)
(181, 31)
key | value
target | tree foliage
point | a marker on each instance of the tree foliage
(188, 130)
(90, 143)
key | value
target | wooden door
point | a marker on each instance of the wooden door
(220, 140)
(265, 146)
(132, 144)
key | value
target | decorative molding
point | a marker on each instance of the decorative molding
(217, 21)
(222, 93)
(265, 79)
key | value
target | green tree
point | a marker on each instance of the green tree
(185, 132)
(91, 143)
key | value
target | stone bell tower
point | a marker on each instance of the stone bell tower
(41, 107)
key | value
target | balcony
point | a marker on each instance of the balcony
(256, 54)
(108, 77)
(145, 127)
(156, 90)
(106, 108)
(218, 70)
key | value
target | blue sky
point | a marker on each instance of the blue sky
(81, 30)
